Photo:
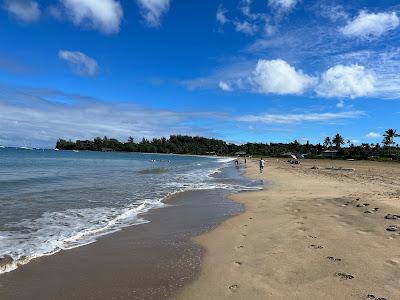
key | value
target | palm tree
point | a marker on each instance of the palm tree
(327, 142)
(338, 141)
(389, 137)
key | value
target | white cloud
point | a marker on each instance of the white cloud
(373, 135)
(299, 118)
(221, 15)
(245, 27)
(370, 25)
(104, 15)
(152, 10)
(340, 104)
(278, 77)
(23, 10)
(283, 5)
(81, 63)
(346, 81)
(224, 86)
(28, 116)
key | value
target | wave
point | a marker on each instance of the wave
(55, 231)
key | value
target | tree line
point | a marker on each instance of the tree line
(182, 144)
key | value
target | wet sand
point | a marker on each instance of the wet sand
(149, 261)
(322, 230)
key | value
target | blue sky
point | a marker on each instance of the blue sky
(260, 71)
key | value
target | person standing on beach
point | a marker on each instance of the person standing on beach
(262, 164)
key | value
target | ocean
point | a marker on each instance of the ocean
(58, 200)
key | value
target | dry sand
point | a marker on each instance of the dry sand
(311, 234)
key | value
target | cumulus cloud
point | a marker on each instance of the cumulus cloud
(23, 10)
(346, 81)
(299, 118)
(373, 135)
(152, 10)
(278, 77)
(105, 15)
(224, 86)
(283, 5)
(81, 64)
(371, 25)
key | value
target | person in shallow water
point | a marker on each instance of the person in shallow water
(262, 164)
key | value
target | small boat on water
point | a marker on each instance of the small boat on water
(56, 149)
(76, 151)
(25, 148)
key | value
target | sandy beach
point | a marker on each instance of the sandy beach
(318, 231)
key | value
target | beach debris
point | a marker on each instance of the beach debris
(314, 168)
(312, 236)
(334, 258)
(234, 287)
(393, 228)
(375, 209)
(392, 217)
(316, 246)
(344, 275)
(371, 296)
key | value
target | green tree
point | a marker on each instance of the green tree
(327, 142)
(389, 136)
(338, 141)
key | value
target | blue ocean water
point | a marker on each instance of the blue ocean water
(57, 200)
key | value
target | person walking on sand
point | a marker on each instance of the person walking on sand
(262, 164)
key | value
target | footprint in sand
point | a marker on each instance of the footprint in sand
(244, 234)
(311, 236)
(234, 287)
(238, 263)
(393, 228)
(240, 247)
(371, 296)
(362, 205)
(392, 217)
(316, 246)
(344, 276)
(335, 259)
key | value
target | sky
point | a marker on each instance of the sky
(241, 71)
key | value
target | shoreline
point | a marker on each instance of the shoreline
(14, 265)
(147, 261)
(315, 233)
